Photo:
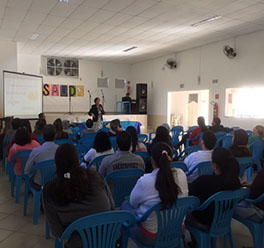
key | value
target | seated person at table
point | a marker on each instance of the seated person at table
(127, 98)
(60, 134)
(226, 170)
(123, 158)
(217, 127)
(89, 125)
(253, 212)
(135, 146)
(208, 142)
(239, 147)
(102, 146)
(74, 193)
(162, 135)
(22, 142)
(40, 124)
(115, 127)
(258, 134)
(165, 184)
(45, 152)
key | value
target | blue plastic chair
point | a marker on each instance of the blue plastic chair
(144, 155)
(198, 136)
(63, 141)
(169, 222)
(176, 132)
(203, 168)
(180, 165)
(122, 182)
(16, 181)
(257, 149)
(104, 129)
(227, 141)
(235, 128)
(143, 138)
(113, 143)
(249, 132)
(87, 136)
(47, 170)
(96, 162)
(245, 163)
(123, 105)
(188, 150)
(191, 129)
(224, 203)
(82, 150)
(151, 136)
(98, 230)
(256, 229)
(40, 139)
(5, 143)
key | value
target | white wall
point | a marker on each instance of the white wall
(8, 61)
(89, 72)
(247, 69)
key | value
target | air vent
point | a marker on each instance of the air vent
(63, 67)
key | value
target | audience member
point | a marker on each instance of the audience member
(136, 146)
(74, 193)
(226, 170)
(201, 128)
(258, 134)
(115, 127)
(162, 135)
(217, 127)
(42, 153)
(253, 212)
(102, 146)
(208, 142)
(11, 126)
(167, 126)
(165, 184)
(239, 147)
(123, 159)
(66, 127)
(40, 124)
(42, 116)
(60, 134)
(22, 142)
(89, 125)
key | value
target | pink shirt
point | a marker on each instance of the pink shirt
(17, 148)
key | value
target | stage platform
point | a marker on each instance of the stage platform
(82, 117)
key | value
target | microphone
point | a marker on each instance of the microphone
(89, 92)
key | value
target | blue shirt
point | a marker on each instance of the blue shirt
(45, 152)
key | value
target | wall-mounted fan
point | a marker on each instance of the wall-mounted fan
(229, 52)
(171, 63)
(52, 71)
(71, 63)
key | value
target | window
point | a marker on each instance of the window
(245, 102)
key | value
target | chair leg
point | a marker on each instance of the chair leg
(47, 230)
(18, 188)
(26, 196)
(213, 240)
(249, 173)
(13, 179)
(231, 240)
(57, 243)
(36, 207)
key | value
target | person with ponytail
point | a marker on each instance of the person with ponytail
(74, 193)
(225, 177)
(165, 184)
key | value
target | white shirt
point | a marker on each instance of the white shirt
(91, 154)
(144, 195)
(194, 159)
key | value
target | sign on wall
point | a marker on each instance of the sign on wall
(62, 90)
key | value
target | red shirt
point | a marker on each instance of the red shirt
(194, 133)
(32, 135)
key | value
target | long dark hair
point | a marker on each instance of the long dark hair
(162, 135)
(134, 137)
(228, 165)
(240, 137)
(201, 123)
(102, 142)
(165, 183)
(58, 125)
(72, 182)
(22, 137)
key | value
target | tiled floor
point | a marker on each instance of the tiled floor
(18, 231)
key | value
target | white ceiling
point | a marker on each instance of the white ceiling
(102, 29)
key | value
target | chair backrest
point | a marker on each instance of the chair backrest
(224, 203)
(180, 165)
(97, 161)
(22, 156)
(176, 132)
(151, 136)
(144, 155)
(170, 221)
(249, 132)
(99, 230)
(47, 170)
(75, 130)
(87, 137)
(104, 129)
(227, 141)
(257, 149)
(113, 143)
(203, 168)
(235, 128)
(192, 128)
(40, 139)
(122, 182)
(220, 134)
(244, 163)
(143, 138)
(188, 150)
(82, 150)
(63, 141)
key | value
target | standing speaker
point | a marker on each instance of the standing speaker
(142, 94)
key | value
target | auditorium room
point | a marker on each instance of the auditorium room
(131, 123)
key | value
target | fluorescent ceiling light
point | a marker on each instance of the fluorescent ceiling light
(129, 49)
(64, 1)
(34, 36)
(213, 18)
